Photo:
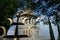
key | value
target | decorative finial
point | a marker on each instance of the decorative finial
(10, 20)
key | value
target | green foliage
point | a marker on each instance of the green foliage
(7, 9)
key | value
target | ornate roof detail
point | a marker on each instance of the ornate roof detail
(27, 11)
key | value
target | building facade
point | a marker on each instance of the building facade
(29, 29)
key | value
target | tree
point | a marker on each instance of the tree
(51, 30)
(49, 11)
(7, 9)
(47, 21)
(56, 22)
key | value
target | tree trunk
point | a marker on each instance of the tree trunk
(58, 31)
(58, 28)
(51, 30)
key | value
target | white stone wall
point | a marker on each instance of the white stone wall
(34, 32)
